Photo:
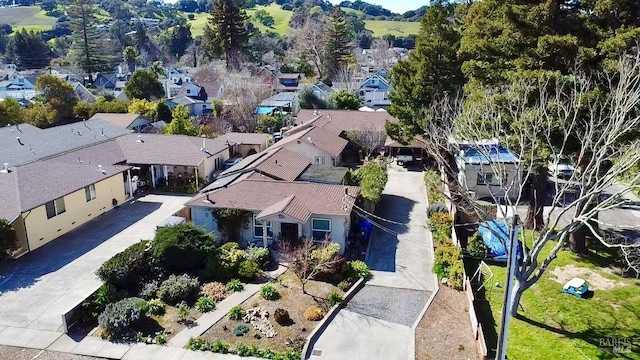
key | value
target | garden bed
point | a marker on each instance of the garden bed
(289, 337)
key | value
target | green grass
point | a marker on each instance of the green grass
(359, 13)
(396, 28)
(280, 17)
(560, 326)
(198, 23)
(26, 17)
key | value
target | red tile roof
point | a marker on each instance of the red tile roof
(258, 195)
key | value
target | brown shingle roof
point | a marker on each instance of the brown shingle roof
(257, 195)
(337, 121)
(120, 120)
(324, 140)
(167, 149)
(282, 164)
(245, 138)
(290, 206)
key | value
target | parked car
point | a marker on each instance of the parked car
(229, 163)
(561, 168)
(404, 156)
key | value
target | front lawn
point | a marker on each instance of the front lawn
(554, 325)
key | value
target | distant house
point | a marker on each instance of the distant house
(485, 168)
(196, 107)
(178, 76)
(322, 90)
(246, 143)
(195, 92)
(20, 81)
(107, 80)
(289, 82)
(133, 122)
(374, 91)
(83, 93)
(283, 102)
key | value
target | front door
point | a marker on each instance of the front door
(289, 232)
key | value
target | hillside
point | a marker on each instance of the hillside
(26, 17)
(282, 18)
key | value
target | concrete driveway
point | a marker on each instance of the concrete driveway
(38, 288)
(377, 323)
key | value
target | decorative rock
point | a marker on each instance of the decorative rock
(259, 320)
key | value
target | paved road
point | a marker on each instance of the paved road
(38, 288)
(377, 322)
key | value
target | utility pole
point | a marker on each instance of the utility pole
(507, 304)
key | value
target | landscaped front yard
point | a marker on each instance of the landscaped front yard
(554, 325)
(291, 335)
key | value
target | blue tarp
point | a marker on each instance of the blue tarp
(495, 235)
(264, 110)
(366, 227)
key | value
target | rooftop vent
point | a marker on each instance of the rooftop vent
(5, 168)
(203, 148)
(19, 140)
(140, 139)
(101, 169)
(309, 140)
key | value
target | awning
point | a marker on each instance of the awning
(264, 110)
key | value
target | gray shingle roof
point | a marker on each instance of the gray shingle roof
(162, 149)
(337, 121)
(40, 143)
(119, 120)
(245, 138)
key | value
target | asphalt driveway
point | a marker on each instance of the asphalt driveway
(38, 288)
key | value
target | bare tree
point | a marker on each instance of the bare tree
(308, 42)
(381, 56)
(346, 78)
(554, 118)
(309, 259)
(369, 139)
(243, 94)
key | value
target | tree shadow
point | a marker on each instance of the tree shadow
(26, 270)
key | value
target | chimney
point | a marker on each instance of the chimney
(203, 148)
(19, 140)
(5, 168)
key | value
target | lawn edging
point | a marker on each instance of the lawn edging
(315, 334)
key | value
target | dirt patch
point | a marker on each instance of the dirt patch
(293, 300)
(593, 279)
(445, 330)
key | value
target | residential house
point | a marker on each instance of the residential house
(486, 168)
(374, 91)
(188, 157)
(280, 210)
(196, 107)
(178, 76)
(322, 91)
(289, 82)
(135, 122)
(321, 146)
(195, 92)
(106, 80)
(245, 144)
(283, 102)
(82, 92)
(340, 122)
(170, 88)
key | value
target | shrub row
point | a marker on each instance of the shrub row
(434, 187)
(242, 350)
(118, 317)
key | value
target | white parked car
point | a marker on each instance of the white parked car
(561, 168)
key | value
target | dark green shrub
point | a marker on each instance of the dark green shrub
(258, 254)
(205, 304)
(129, 268)
(476, 246)
(248, 270)
(182, 248)
(236, 313)
(240, 330)
(91, 308)
(179, 288)
(235, 285)
(335, 298)
(440, 221)
(118, 317)
(268, 292)
(445, 258)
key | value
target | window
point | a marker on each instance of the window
(320, 228)
(489, 179)
(257, 229)
(55, 207)
(90, 192)
(319, 160)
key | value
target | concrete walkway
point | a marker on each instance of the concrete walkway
(378, 321)
(36, 289)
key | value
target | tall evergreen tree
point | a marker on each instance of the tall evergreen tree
(225, 33)
(432, 69)
(86, 50)
(28, 50)
(338, 42)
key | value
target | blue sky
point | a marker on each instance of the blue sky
(398, 6)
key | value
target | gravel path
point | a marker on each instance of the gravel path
(399, 306)
(16, 353)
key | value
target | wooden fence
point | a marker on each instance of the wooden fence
(476, 327)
